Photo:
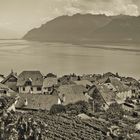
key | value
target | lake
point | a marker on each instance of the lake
(61, 58)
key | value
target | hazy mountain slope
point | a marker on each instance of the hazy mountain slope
(88, 28)
(68, 28)
(124, 29)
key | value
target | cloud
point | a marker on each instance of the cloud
(24, 15)
(108, 7)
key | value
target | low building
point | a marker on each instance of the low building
(102, 96)
(30, 82)
(122, 91)
(11, 81)
(49, 84)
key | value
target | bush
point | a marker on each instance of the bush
(115, 112)
(78, 107)
(55, 109)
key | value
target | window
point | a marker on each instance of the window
(49, 88)
(31, 88)
(28, 83)
(38, 88)
(23, 88)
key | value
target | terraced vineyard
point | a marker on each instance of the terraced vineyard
(64, 127)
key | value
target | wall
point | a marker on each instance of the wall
(125, 94)
(28, 90)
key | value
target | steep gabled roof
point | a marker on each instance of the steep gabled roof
(119, 86)
(35, 76)
(49, 82)
(107, 94)
(12, 74)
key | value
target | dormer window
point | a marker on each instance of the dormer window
(28, 83)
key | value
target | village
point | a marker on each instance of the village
(34, 106)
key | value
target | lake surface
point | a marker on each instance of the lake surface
(62, 58)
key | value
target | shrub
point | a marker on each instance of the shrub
(115, 112)
(78, 107)
(55, 109)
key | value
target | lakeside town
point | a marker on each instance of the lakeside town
(34, 106)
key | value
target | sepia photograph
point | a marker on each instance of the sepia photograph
(69, 69)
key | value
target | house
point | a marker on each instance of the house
(3, 89)
(30, 82)
(122, 91)
(71, 94)
(102, 96)
(36, 101)
(11, 81)
(6, 91)
(49, 83)
(1, 77)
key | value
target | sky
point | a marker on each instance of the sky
(19, 16)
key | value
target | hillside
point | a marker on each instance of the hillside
(87, 28)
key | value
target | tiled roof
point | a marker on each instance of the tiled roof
(49, 82)
(106, 93)
(83, 82)
(73, 93)
(36, 102)
(2, 86)
(12, 74)
(119, 86)
(5, 87)
(35, 76)
(51, 75)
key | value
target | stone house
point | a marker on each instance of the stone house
(30, 82)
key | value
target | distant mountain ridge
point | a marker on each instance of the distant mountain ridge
(87, 28)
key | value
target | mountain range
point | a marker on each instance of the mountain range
(88, 28)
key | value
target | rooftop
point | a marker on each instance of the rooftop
(35, 76)
(36, 101)
(73, 93)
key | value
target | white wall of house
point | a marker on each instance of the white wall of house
(29, 89)
(125, 94)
